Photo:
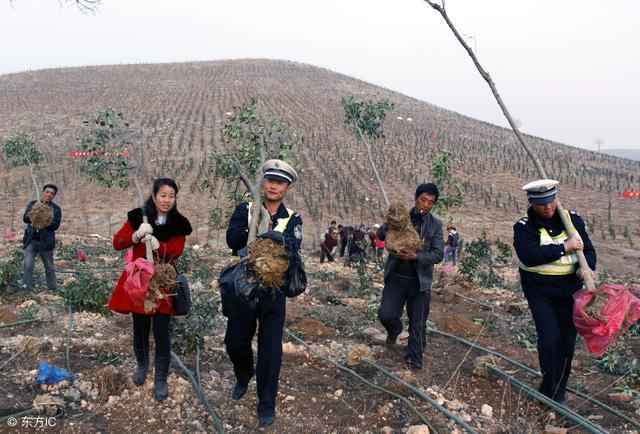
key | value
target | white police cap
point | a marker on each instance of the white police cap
(280, 171)
(542, 191)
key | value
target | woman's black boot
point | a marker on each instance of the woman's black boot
(162, 371)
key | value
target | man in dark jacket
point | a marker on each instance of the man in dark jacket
(343, 232)
(41, 242)
(408, 277)
(270, 309)
(549, 275)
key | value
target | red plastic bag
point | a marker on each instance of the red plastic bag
(621, 311)
(139, 273)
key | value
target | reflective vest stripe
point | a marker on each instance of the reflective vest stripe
(560, 267)
(282, 222)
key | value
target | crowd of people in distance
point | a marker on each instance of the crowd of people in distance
(357, 240)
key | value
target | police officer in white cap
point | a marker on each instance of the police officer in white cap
(549, 274)
(269, 311)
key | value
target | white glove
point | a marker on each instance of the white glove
(144, 229)
(155, 244)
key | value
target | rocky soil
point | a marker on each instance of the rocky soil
(337, 318)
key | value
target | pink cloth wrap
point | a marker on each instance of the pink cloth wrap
(139, 273)
(621, 312)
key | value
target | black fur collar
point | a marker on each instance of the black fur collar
(176, 225)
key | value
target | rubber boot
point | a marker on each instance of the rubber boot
(142, 357)
(162, 372)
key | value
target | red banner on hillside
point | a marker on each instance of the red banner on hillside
(630, 194)
(98, 154)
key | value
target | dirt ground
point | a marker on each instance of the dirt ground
(333, 316)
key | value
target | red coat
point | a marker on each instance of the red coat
(169, 251)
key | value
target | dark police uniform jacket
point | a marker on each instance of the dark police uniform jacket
(526, 240)
(238, 230)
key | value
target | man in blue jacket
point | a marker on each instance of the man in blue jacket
(550, 275)
(41, 242)
(408, 277)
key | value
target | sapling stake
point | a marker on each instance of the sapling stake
(255, 141)
(588, 280)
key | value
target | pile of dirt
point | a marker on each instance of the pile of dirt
(314, 329)
(401, 235)
(458, 325)
(270, 261)
(8, 314)
(41, 215)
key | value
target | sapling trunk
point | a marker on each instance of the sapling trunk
(588, 280)
(373, 164)
(256, 226)
(36, 190)
(147, 244)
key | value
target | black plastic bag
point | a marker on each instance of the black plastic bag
(238, 287)
(182, 297)
(296, 278)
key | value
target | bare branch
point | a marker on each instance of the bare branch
(373, 165)
(588, 280)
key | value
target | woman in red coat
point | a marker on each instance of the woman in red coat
(166, 231)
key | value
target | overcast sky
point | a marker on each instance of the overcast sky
(568, 70)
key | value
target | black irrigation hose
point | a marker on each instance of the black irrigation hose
(11, 324)
(563, 410)
(423, 396)
(22, 413)
(198, 365)
(69, 326)
(531, 371)
(203, 399)
(364, 380)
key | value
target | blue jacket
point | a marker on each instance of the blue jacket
(429, 228)
(526, 240)
(47, 236)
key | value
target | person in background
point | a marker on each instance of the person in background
(328, 244)
(41, 242)
(380, 244)
(373, 237)
(343, 232)
(451, 245)
(358, 245)
(166, 232)
(332, 226)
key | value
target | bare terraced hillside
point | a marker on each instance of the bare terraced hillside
(179, 109)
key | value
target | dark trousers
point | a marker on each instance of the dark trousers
(556, 343)
(33, 249)
(325, 254)
(269, 315)
(343, 246)
(450, 252)
(397, 292)
(161, 335)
